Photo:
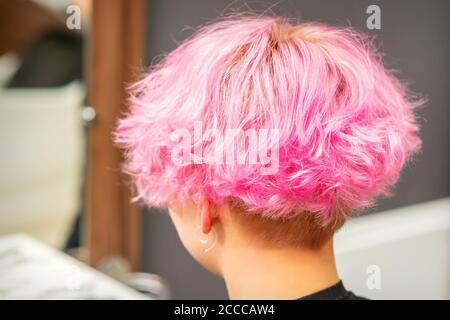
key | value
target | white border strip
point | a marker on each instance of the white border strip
(393, 225)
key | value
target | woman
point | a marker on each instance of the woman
(262, 136)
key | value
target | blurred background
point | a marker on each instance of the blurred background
(64, 69)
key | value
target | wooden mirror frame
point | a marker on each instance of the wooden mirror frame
(115, 54)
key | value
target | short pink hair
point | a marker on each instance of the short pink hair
(346, 124)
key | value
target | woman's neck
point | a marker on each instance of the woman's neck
(268, 273)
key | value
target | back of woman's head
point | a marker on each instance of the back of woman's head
(284, 119)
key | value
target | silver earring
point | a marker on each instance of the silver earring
(208, 240)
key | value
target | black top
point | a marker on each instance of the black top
(335, 292)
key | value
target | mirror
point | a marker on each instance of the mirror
(42, 94)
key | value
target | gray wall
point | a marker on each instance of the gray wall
(414, 35)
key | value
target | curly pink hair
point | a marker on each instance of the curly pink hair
(345, 124)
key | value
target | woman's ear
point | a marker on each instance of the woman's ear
(206, 216)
